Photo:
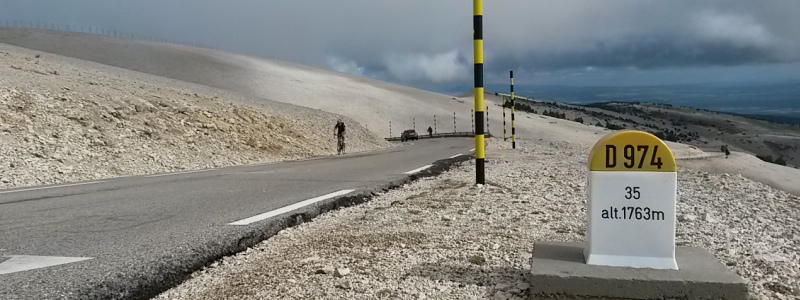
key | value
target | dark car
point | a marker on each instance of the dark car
(408, 135)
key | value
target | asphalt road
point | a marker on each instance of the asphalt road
(145, 229)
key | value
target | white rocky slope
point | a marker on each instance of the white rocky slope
(446, 238)
(370, 102)
(64, 119)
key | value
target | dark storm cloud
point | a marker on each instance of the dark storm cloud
(644, 53)
(421, 41)
(550, 36)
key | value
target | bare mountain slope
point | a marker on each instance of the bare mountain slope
(64, 119)
(370, 102)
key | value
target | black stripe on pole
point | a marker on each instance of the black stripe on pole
(479, 122)
(477, 22)
(478, 79)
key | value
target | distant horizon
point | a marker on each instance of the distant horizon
(752, 98)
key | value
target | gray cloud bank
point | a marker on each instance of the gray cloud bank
(549, 37)
(430, 42)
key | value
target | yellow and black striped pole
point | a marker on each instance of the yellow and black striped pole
(513, 130)
(477, 31)
(504, 118)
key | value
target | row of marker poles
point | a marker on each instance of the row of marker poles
(513, 129)
(472, 120)
(414, 123)
(477, 31)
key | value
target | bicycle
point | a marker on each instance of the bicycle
(340, 144)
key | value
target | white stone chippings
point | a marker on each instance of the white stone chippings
(101, 127)
(417, 241)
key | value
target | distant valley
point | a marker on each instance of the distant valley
(768, 99)
(778, 101)
(704, 129)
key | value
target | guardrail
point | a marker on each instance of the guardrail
(442, 135)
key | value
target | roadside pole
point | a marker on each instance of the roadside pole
(513, 129)
(504, 118)
(477, 31)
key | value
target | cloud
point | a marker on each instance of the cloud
(438, 68)
(345, 66)
(738, 30)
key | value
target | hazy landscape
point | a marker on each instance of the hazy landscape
(708, 130)
(778, 100)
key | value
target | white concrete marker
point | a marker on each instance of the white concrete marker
(50, 187)
(19, 263)
(457, 155)
(289, 208)
(417, 170)
(631, 206)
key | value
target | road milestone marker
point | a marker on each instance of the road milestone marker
(632, 192)
(630, 250)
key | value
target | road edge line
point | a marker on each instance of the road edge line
(288, 208)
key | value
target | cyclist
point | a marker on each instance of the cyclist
(338, 131)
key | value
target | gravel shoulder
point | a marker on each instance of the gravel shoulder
(446, 238)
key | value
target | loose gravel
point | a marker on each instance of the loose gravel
(447, 238)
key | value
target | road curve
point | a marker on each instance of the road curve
(131, 237)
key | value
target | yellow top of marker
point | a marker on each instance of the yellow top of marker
(631, 150)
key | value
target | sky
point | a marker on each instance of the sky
(428, 44)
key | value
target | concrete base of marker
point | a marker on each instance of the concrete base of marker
(558, 271)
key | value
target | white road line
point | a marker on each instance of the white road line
(19, 263)
(472, 150)
(178, 173)
(50, 187)
(457, 155)
(289, 208)
(418, 169)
